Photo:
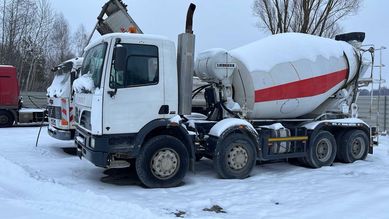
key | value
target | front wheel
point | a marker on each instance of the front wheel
(162, 162)
(235, 157)
(322, 150)
(6, 119)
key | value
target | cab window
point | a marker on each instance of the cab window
(142, 67)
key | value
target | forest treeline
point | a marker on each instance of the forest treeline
(34, 38)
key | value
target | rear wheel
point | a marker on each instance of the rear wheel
(162, 162)
(6, 119)
(353, 146)
(322, 150)
(235, 157)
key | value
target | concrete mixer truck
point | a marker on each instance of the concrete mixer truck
(289, 96)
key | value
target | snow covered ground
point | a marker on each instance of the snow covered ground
(46, 182)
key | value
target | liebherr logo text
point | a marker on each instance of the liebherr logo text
(344, 124)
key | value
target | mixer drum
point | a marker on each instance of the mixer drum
(290, 75)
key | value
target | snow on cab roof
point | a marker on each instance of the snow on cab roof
(131, 35)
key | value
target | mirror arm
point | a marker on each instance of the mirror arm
(118, 41)
(114, 92)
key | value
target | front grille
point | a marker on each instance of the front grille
(54, 112)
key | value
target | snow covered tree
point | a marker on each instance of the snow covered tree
(33, 38)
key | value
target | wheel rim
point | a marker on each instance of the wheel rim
(237, 157)
(165, 163)
(323, 150)
(358, 147)
(3, 119)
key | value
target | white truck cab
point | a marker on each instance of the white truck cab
(124, 95)
(117, 107)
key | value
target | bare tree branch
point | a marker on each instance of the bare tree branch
(318, 17)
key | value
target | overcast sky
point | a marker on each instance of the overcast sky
(219, 23)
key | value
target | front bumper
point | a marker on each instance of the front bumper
(98, 158)
(61, 134)
(83, 142)
(104, 148)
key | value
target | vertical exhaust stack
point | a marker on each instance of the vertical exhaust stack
(185, 64)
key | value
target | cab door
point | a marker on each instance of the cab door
(135, 94)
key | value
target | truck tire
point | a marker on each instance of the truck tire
(162, 162)
(6, 119)
(235, 157)
(322, 150)
(354, 145)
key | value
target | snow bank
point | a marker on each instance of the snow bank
(84, 83)
(44, 182)
(289, 47)
(23, 190)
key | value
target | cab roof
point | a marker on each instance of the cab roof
(127, 35)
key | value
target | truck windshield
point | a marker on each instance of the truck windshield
(93, 63)
(64, 68)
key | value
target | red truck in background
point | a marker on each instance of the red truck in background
(11, 108)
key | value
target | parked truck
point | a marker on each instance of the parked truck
(11, 105)
(288, 96)
(60, 104)
(112, 18)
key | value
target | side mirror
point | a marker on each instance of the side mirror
(120, 58)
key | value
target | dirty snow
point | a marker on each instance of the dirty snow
(45, 182)
(289, 47)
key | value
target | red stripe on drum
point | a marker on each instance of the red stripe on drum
(303, 88)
